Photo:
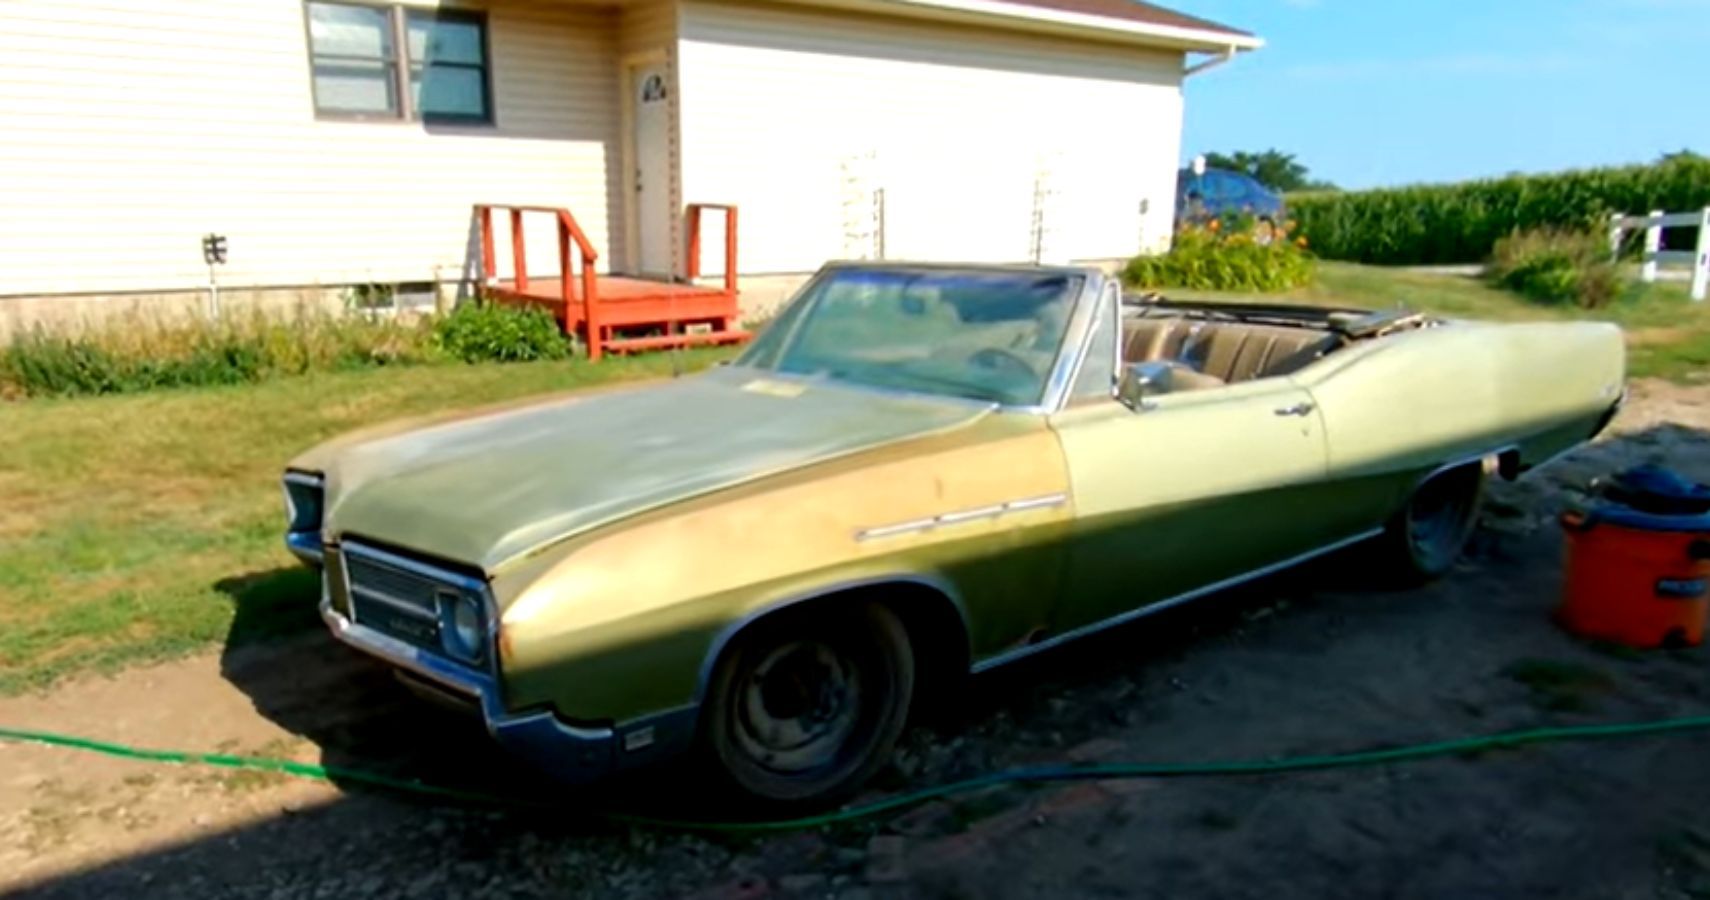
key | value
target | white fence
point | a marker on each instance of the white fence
(1653, 224)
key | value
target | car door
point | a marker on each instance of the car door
(1194, 489)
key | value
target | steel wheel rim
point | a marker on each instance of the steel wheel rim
(798, 707)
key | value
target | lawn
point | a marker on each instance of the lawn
(134, 525)
(1668, 335)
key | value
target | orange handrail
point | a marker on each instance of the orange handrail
(568, 231)
(694, 254)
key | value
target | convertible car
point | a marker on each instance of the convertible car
(916, 472)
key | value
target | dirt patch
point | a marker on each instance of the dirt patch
(1316, 661)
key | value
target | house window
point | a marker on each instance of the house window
(389, 62)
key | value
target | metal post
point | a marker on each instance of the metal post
(1653, 245)
(1615, 236)
(213, 294)
(1701, 257)
(879, 223)
(214, 254)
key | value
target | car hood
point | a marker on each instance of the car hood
(489, 489)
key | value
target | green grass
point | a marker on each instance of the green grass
(1668, 335)
(142, 526)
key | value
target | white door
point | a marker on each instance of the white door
(650, 91)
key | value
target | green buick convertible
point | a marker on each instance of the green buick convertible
(916, 472)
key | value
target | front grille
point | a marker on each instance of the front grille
(395, 600)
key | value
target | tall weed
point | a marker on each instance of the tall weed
(139, 355)
(1555, 266)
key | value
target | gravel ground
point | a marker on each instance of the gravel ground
(1319, 660)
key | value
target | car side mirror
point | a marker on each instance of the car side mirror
(1141, 381)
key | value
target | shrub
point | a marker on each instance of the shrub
(489, 332)
(1555, 266)
(1461, 223)
(1213, 258)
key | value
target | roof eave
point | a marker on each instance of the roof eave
(1105, 28)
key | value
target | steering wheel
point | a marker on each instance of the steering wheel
(999, 358)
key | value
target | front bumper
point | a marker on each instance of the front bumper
(571, 753)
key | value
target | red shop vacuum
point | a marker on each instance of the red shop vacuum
(1638, 561)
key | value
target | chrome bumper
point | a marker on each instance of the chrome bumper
(567, 752)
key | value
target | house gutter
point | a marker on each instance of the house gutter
(1212, 63)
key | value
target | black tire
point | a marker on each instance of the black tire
(1423, 541)
(806, 705)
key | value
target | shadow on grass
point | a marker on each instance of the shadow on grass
(271, 604)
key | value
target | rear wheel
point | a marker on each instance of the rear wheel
(1423, 541)
(807, 705)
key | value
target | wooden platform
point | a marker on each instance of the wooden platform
(634, 313)
(615, 313)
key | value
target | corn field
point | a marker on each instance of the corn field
(1460, 223)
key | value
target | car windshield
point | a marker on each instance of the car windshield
(990, 336)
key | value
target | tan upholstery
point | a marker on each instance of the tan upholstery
(1224, 351)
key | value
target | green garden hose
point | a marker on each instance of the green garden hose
(1272, 766)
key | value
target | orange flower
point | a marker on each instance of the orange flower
(1300, 242)
(1213, 225)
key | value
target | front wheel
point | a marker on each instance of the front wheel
(808, 704)
(1423, 541)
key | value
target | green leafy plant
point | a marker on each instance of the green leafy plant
(1461, 223)
(1555, 266)
(490, 332)
(1217, 258)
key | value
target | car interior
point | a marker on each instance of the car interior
(1208, 349)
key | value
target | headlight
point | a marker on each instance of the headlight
(303, 501)
(464, 619)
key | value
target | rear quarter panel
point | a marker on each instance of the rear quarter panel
(1400, 406)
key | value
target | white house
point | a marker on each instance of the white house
(338, 143)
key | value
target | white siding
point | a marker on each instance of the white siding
(133, 127)
(963, 125)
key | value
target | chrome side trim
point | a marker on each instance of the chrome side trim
(731, 630)
(1010, 656)
(960, 517)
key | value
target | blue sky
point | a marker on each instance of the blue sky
(1375, 92)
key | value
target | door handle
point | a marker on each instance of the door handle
(1299, 409)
